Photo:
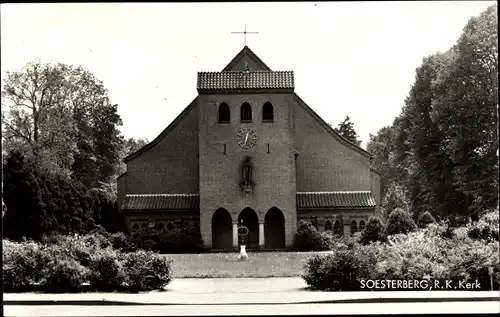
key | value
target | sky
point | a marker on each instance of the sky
(355, 59)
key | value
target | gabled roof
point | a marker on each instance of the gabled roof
(228, 68)
(328, 128)
(253, 79)
(163, 133)
(250, 55)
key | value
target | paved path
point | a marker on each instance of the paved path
(248, 297)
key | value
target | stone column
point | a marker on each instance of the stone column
(235, 235)
(346, 222)
(261, 234)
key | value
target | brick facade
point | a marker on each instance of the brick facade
(198, 155)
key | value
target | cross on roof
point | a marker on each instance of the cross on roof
(245, 33)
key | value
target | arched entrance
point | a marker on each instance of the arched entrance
(222, 230)
(251, 221)
(274, 229)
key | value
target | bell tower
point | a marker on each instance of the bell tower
(247, 161)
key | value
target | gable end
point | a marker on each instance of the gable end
(164, 133)
(330, 129)
(240, 56)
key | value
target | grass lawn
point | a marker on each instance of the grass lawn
(265, 264)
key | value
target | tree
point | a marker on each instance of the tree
(395, 197)
(41, 203)
(429, 165)
(26, 216)
(62, 117)
(383, 159)
(442, 148)
(36, 116)
(346, 130)
(467, 113)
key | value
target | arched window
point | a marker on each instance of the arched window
(170, 226)
(328, 226)
(267, 112)
(337, 228)
(361, 225)
(354, 227)
(246, 112)
(224, 113)
(135, 226)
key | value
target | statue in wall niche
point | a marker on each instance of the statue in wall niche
(246, 170)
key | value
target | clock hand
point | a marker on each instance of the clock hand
(246, 138)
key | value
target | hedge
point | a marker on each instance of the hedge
(77, 263)
(430, 254)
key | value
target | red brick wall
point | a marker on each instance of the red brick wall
(273, 173)
(325, 163)
(171, 165)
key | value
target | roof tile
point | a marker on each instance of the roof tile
(161, 202)
(338, 199)
(253, 79)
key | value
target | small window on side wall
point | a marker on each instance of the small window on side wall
(328, 226)
(354, 227)
(361, 225)
(337, 228)
(267, 112)
(246, 112)
(224, 113)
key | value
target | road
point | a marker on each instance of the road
(270, 296)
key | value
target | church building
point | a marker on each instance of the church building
(248, 150)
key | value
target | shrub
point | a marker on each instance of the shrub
(122, 242)
(425, 219)
(374, 231)
(308, 238)
(428, 253)
(177, 240)
(106, 272)
(75, 246)
(486, 228)
(329, 240)
(65, 275)
(23, 265)
(146, 270)
(400, 221)
(97, 240)
(181, 240)
(337, 271)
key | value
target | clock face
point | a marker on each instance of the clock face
(246, 138)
